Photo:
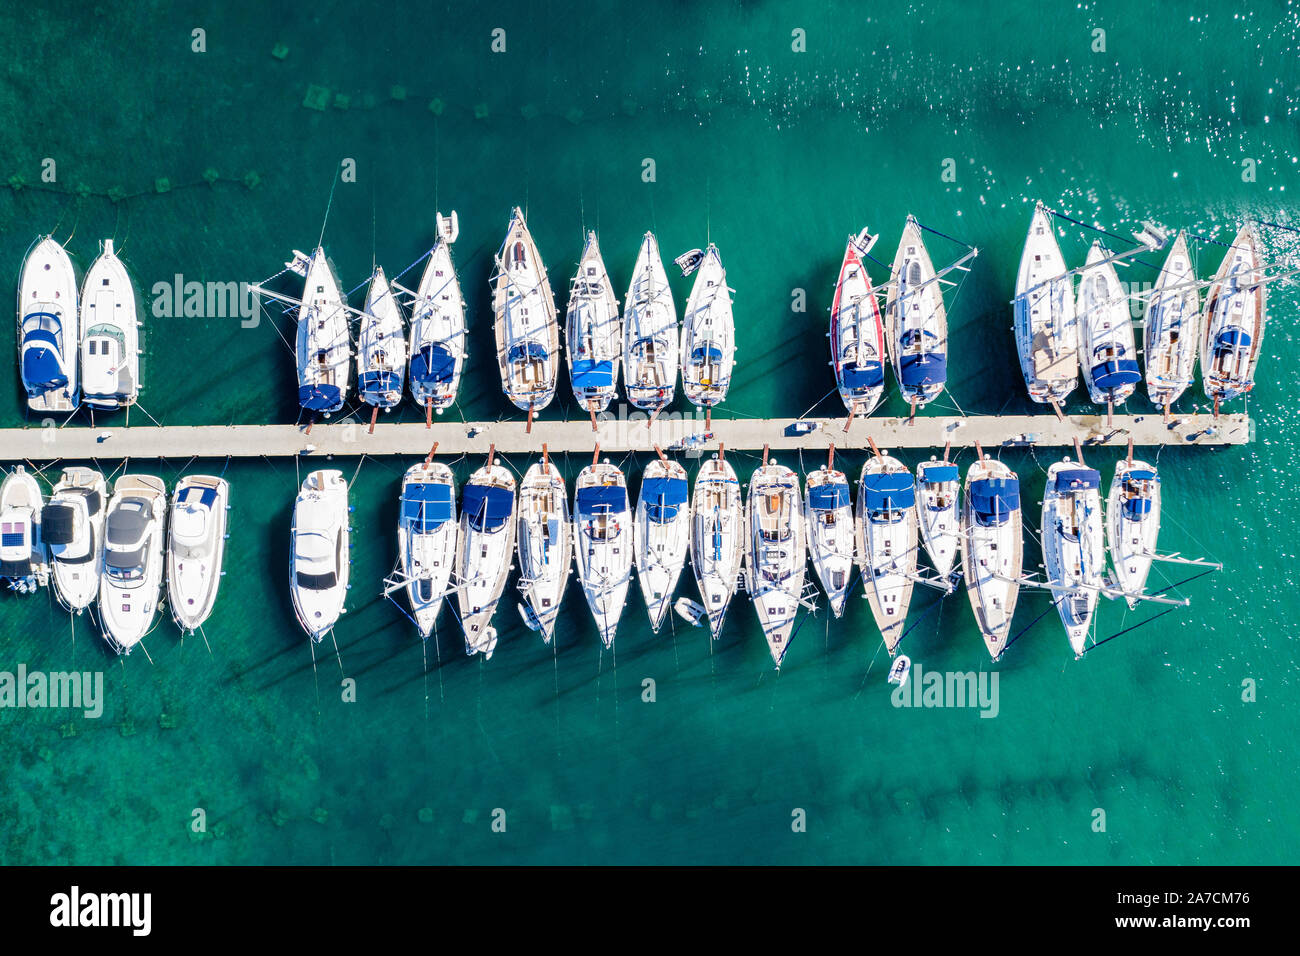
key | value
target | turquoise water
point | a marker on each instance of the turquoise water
(775, 156)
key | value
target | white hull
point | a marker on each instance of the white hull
(1106, 351)
(828, 522)
(916, 321)
(717, 538)
(1235, 314)
(49, 329)
(593, 332)
(196, 545)
(857, 337)
(427, 533)
(323, 347)
(487, 539)
(1073, 548)
(110, 334)
(133, 560)
(1172, 331)
(545, 544)
(661, 534)
(1047, 330)
(381, 346)
(527, 332)
(602, 540)
(776, 553)
(887, 544)
(320, 546)
(24, 562)
(938, 509)
(652, 339)
(708, 335)
(437, 333)
(1133, 524)
(81, 499)
(992, 549)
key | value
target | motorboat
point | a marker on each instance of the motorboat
(131, 582)
(602, 541)
(196, 545)
(49, 329)
(320, 552)
(24, 561)
(72, 527)
(661, 532)
(110, 334)
(652, 339)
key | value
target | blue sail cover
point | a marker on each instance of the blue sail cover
(426, 507)
(938, 472)
(890, 491)
(487, 507)
(320, 398)
(379, 383)
(918, 371)
(1112, 375)
(602, 498)
(432, 365)
(854, 376)
(663, 498)
(591, 374)
(994, 500)
(828, 497)
(1077, 479)
(531, 352)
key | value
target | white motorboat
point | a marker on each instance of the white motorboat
(196, 546)
(487, 539)
(593, 331)
(992, 548)
(1133, 524)
(110, 334)
(602, 530)
(427, 534)
(1106, 350)
(938, 509)
(130, 586)
(72, 527)
(717, 537)
(1073, 547)
(545, 544)
(652, 339)
(438, 326)
(916, 320)
(661, 533)
(320, 552)
(776, 554)
(1047, 329)
(692, 612)
(1172, 331)
(857, 332)
(24, 562)
(49, 329)
(324, 345)
(828, 517)
(527, 330)
(1235, 315)
(708, 335)
(887, 543)
(381, 346)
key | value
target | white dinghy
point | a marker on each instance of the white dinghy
(131, 582)
(196, 545)
(661, 534)
(320, 548)
(49, 329)
(545, 544)
(72, 526)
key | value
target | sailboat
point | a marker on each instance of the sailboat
(916, 320)
(828, 521)
(438, 326)
(593, 331)
(427, 534)
(938, 509)
(131, 582)
(381, 346)
(1073, 548)
(1235, 314)
(487, 538)
(24, 562)
(602, 532)
(857, 333)
(72, 526)
(49, 329)
(323, 346)
(1106, 351)
(708, 335)
(992, 548)
(652, 340)
(545, 544)
(1172, 330)
(1133, 524)
(717, 537)
(776, 552)
(110, 343)
(527, 332)
(320, 552)
(661, 533)
(1047, 330)
(196, 545)
(887, 543)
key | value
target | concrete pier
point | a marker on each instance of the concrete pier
(351, 438)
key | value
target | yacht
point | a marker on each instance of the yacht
(381, 346)
(1133, 524)
(938, 510)
(110, 334)
(717, 537)
(1073, 548)
(776, 553)
(487, 538)
(1235, 314)
(857, 333)
(1047, 329)
(527, 330)
(49, 329)
(828, 518)
(24, 562)
(1106, 350)
(602, 532)
(593, 332)
(320, 553)
(196, 546)
(916, 320)
(130, 585)
(992, 548)
(544, 543)
(427, 535)
(652, 339)
(72, 526)
(324, 344)
(662, 533)
(887, 543)
(438, 326)
(708, 335)
(1172, 330)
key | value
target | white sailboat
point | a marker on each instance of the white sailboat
(887, 543)
(49, 329)
(661, 534)
(24, 561)
(1106, 350)
(1047, 329)
(992, 549)
(602, 532)
(652, 339)
(857, 333)
(72, 526)
(527, 330)
(828, 520)
(196, 545)
(916, 320)
(593, 331)
(717, 537)
(438, 326)
(1073, 547)
(708, 335)
(776, 552)
(487, 539)
(1133, 524)
(545, 544)
(1171, 333)
(110, 337)
(320, 552)
(427, 535)
(938, 508)
(131, 583)
(323, 346)
(1235, 315)
(381, 346)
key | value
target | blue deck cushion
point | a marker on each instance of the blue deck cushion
(828, 497)
(319, 398)
(204, 497)
(994, 500)
(889, 491)
(591, 374)
(1140, 474)
(487, 507)
(918, 371)
(1112, 375)
(426, 506)
(937, 472)
(600, 499)
(380, 382)
(1077, 479)
(663, 498)
(529, 352)
(854, 376)
(432, 365)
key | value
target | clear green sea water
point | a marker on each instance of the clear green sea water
(776, 156)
